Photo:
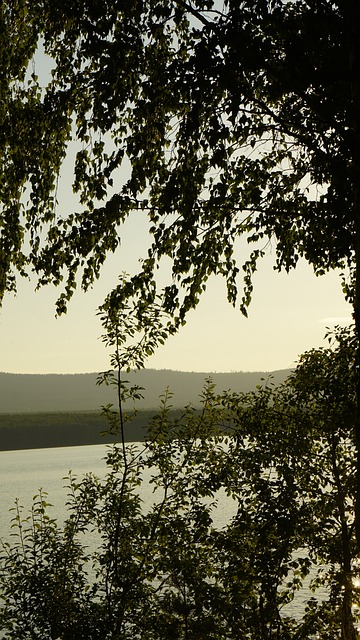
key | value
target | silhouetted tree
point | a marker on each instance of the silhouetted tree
(231, 120)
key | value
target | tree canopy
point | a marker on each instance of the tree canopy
(210, 120)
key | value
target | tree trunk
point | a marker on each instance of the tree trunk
(352, 32)
(348, 631)
(351, 10)
(357, 374)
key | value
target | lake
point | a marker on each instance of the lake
(24, 472)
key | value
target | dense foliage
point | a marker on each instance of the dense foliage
(210, 121)
(129, 563)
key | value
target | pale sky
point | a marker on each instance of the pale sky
(289, 314)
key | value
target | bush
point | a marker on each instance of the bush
(284, 456)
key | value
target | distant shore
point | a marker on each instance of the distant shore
(63, 429)
(38, 411)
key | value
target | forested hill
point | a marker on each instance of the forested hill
(79, 392)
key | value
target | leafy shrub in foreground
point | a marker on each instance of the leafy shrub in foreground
(164, 569)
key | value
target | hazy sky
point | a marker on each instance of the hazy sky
(289, 314)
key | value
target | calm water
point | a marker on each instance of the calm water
(24, 472)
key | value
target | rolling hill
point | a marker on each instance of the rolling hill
(26, 393)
